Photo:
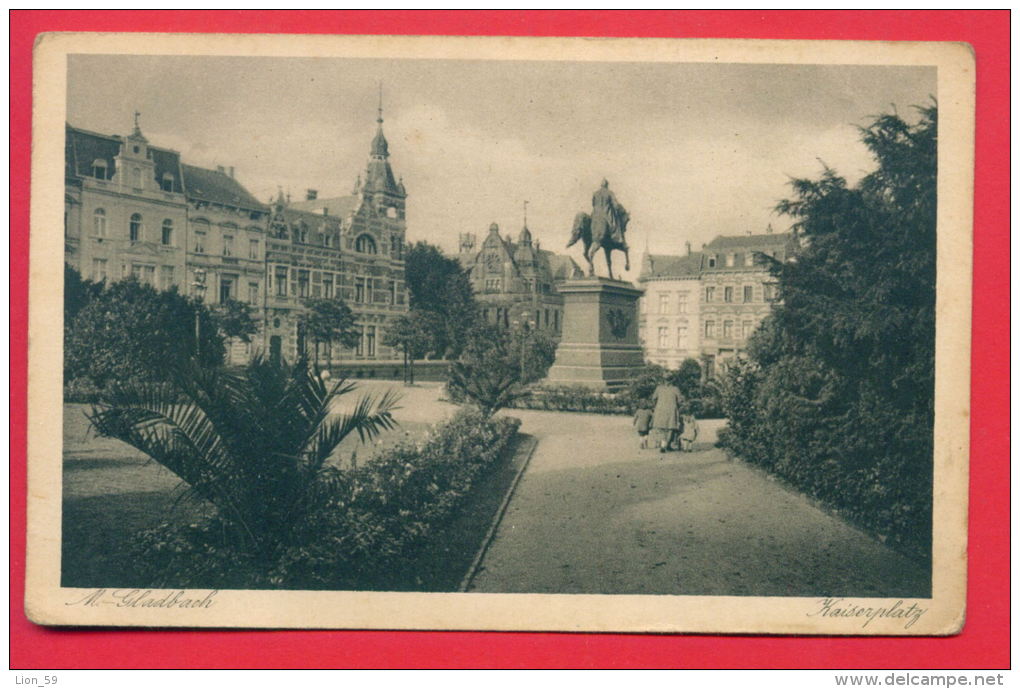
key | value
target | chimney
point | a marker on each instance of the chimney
(311, 194)
(325, 211)
(768, 230)
(688, 248)
(231, 169)
(219, 169)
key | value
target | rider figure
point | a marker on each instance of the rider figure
(608, 214)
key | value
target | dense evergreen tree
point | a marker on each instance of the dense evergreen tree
(838, 395)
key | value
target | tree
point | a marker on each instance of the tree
(254, 444)
(234, 319)
(439, 285)
(411, 333)
(838, 394)
(687, 378)
(488, 372)
(536, 350)
(128, 329)
(328, 321)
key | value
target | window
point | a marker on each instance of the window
(302, 283)
(362, 293)
(709, 328)
(749, 258)
(663, 338)
(228, 245)
(99, 168)
(199, 241)
(281, 281)
(556, 320)
(168, 232)
(393, 291)
(748, 293)
(327, 286)
(166, 183)
(730, 258)
(727, 294)
(359, 349)
(710, 294)
(166, 277)
(770, 292)
(136, 177)
(370, 340)
(253, 249)
(226, 289)
(316, 284)
(492, 284)
(681, 302)
(253, 293)
(98, 269)
(711, 261)
(135, 227)
(727, 329)
(663, 303)
(681, 337)
(99, 222)
(301, 233)
(745, 329)
(365, 244)
(144, 274)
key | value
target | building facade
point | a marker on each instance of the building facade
(515, 281)
(131, 208)
(669, 321)
(713, 300)
(125, 211)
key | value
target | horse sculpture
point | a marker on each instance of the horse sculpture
(608, 234)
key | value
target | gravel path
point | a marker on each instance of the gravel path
(595, 514)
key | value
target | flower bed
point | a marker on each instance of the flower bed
(381, 515)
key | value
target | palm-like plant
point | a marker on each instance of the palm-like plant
(253, 443)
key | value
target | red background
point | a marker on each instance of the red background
(984, 642)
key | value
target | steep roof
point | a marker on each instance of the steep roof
(560, 267)
(338, 206)
(664, 265)
(750, 241)
(218, 187)
(82, 148)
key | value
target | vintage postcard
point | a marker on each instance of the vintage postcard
(552, 334)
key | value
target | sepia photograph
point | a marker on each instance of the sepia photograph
(586, 335)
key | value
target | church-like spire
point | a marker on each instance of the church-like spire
(525, 237)
(380, 148)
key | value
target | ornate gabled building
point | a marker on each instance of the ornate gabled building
(712, 300)
(516, 281)
(125, 211)
(349, 247)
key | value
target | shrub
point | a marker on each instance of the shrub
(364, 535)
(574, 398)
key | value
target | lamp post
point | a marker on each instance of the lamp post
(199, 286)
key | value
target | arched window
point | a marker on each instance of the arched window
(99, 222)
(99, 168)
(135, 228)
(168, 232)
(365, 245)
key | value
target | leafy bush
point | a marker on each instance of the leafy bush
(81, 390)
(364, 535)
(838, 395)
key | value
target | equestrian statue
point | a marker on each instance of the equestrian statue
(605, 229)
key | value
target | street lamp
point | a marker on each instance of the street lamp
(199, 286)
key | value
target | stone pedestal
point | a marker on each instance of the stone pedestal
(600, 347)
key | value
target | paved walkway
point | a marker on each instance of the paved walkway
(594, 514)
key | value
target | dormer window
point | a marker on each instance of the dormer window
(99, 168)
(166, 183)
(711, 261)
(730, 258)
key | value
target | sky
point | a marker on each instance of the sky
(692, 150)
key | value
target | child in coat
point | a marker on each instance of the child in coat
(643, 423)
